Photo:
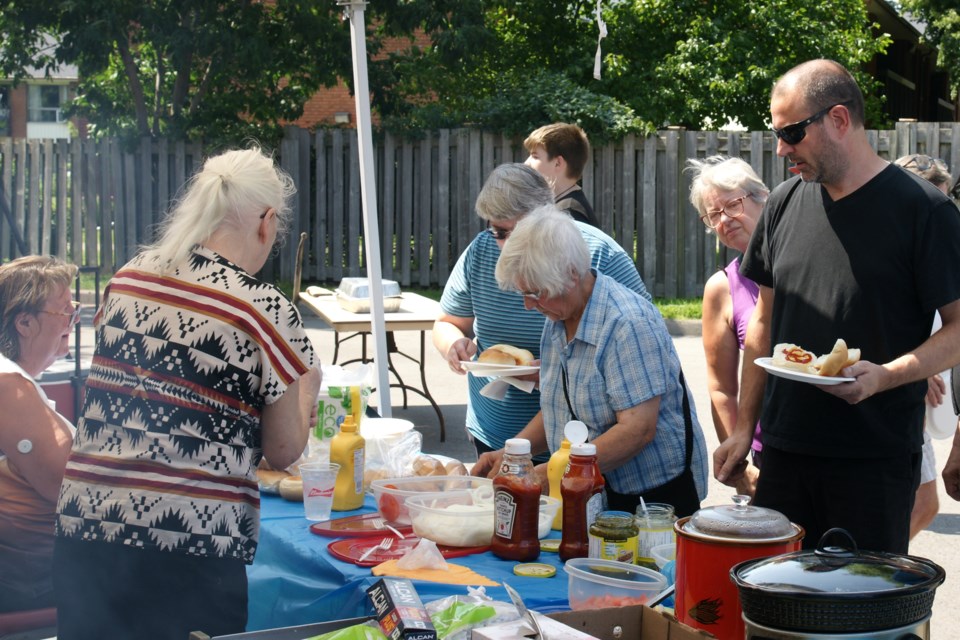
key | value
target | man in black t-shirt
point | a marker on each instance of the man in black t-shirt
(559, 153)
(852, 248)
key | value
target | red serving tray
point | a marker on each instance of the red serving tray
(360, 526)
(350, 550)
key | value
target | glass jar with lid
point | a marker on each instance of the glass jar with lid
(655, 523)
(613, 536)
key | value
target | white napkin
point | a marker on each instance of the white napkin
(497, 389)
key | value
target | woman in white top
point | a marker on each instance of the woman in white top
(37, 315)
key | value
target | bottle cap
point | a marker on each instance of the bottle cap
(348, 425)
(517, 447)
(535, 570)
(565, 444)
(583, 449)
(576, 432)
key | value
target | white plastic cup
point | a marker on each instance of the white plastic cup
(319, 479)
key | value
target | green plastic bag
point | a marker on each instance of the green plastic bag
(460, 615)
(364, 631)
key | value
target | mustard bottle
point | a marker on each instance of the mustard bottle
(555, 468)
(347, 449)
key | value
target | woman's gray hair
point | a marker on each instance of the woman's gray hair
(512, 190)
(25, 286)
(232, 190)
(933, 170)
(544, 252)
(723, 174)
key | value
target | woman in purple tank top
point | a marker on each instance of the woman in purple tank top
(728, 195)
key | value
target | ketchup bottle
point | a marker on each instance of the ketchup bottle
(582, 491)
(516, 502)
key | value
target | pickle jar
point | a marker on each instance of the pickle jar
(655, 521)
(613, 536)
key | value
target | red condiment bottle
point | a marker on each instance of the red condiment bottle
(516, 502)
(582, 491)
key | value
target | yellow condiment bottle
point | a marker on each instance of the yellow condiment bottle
(347, 449)
(556, 466)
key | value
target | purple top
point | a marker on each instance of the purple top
(743, 294)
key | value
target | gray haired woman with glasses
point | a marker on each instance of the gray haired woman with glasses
(729, 196)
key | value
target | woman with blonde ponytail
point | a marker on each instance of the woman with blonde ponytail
(200, 370)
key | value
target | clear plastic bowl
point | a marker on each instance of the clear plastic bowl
(595, 583)
(664, 553)
(548, 511)
(390, 493)
(455, 519)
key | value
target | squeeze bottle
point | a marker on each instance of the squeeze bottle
(516, 505)
(347, 449)
(555, 470)
(582, 490)
(574, 432)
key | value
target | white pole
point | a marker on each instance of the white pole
(371, 229)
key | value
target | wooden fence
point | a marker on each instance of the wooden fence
(93, 202)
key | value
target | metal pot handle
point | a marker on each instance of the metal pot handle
(837, 553)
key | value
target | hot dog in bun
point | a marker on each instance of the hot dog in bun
(790, 356)
(506, 354)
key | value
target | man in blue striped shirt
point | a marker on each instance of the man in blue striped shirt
(476, 314)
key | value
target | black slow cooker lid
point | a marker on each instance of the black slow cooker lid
(838, 570)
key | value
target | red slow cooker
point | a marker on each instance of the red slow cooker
(709, 544)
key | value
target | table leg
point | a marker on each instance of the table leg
(424, 391)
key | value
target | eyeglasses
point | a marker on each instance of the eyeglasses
(533, 296)
(74, 315)
(733, 209)
(793, 134)
(498, 233)
(924, 163)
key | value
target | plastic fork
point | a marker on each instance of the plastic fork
(380, 523)
(384, 545)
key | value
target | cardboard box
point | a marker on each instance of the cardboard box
(399, 610)
(637, 622)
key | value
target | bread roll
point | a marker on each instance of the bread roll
(832, 362)
(495, 356)
(519, 357)
(291, 488)
(269, 480)
(455, 468)
(424, 465)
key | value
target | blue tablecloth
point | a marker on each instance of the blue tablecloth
(295, 580)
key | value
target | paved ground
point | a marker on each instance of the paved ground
(940, 543)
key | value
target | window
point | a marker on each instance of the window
(44, 101)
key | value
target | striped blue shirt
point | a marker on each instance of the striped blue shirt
(621, 356)
(500, 318)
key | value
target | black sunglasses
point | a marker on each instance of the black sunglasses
(793, 133)
(498, 233)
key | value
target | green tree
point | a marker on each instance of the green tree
(514, 65)
(942, 19)
(187, 69)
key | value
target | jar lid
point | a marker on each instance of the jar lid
(614, 515)
(583, 449)
(739, 521)
(517, 446)
(837, 570)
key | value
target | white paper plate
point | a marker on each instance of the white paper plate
(799, 376)
(488, 370)
(941, 422)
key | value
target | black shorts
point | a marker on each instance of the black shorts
(112, 591)
(869, 497)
